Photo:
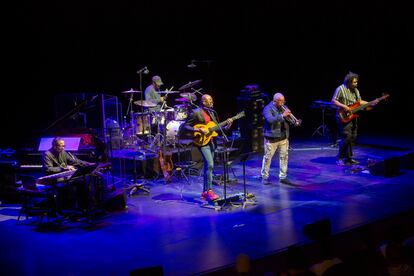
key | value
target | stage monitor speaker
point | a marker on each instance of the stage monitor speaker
(408, 161)
(8, 190)
(318, 230)
(387, 167)
(115, 201)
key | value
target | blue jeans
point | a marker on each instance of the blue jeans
(207, 152)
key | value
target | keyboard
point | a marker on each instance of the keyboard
(54, 178)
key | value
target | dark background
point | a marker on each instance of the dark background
(302, 49)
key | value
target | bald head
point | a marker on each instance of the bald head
(207, 100)
(278, 99)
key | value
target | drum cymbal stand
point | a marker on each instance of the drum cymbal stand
(135, 187)
(157, 140)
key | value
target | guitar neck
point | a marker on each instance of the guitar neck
(238, 116)
(362, 106)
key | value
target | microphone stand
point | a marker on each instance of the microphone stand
(225, 154)
(139, 72)
(140, 87)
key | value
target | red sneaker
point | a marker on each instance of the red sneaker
(211, 196)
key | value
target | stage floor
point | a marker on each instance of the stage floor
(172, 226)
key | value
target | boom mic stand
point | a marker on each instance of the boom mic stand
(225, 161)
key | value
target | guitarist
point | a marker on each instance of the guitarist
(346, 95)
(203, 115)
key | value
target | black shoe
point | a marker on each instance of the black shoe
(265, 181)
(341, 162)
(285, 181)
(352, 162)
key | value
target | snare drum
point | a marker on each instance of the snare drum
(173, 129)
(181, 112)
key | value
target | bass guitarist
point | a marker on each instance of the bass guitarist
(346, 95)
(204, 115)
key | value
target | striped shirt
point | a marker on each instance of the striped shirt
(346, 96)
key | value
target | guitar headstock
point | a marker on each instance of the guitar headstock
(240, 115)
(385, 96)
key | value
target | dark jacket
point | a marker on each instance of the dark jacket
(57, 162)
(273, 122)
(196, 117)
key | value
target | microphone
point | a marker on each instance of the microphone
(143, 70)
(209, 109)
(94, 97)
(71, 156)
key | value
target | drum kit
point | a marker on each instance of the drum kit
(153, 126)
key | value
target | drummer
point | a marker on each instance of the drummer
(152, 94)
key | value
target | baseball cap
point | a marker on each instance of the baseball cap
(157, 80)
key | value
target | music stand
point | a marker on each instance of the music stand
(323, 129)
(83, 171)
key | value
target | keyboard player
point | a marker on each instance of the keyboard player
(60, 162)
(56, 159)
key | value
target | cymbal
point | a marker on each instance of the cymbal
(183, 100)
(189, 96)
(189, 85)
(168, 92)
(130, 91)
(145, 103)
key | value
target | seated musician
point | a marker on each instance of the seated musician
(152, 94)
(202, 116)
(57, 160)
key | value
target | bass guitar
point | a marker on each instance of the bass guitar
(201, 139)
(346, 116)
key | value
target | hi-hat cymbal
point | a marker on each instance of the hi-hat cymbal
(189, 85)
(189, 96)
(130, 91)
(145, 103)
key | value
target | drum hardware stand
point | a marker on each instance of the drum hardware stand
(179, 169)
(182, 167)
(137, 186)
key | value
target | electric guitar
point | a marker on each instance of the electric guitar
(346, 116)
(166, 165)
(201, 139)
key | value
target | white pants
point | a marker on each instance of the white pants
(269, 151)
